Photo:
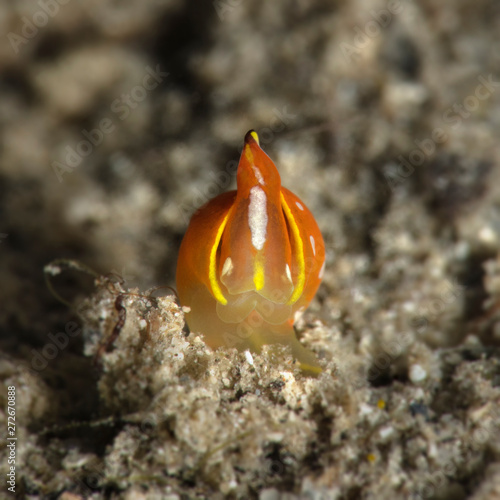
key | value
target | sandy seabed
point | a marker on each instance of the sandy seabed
(118, 121)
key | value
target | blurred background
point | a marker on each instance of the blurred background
(119, 119)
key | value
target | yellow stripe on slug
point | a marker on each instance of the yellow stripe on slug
(212, 270)
(301, 278)
(255, 136)
(249, 154)
(258, 274)
(248, 148)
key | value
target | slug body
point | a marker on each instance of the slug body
(250, 260)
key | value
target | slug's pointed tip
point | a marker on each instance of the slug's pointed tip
(251, 136)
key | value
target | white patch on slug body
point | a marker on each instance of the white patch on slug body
(227, 268)
(257, 217)
(258, 175)
(300, 207)
(313, 244)
(321, 272)
(288, 273)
